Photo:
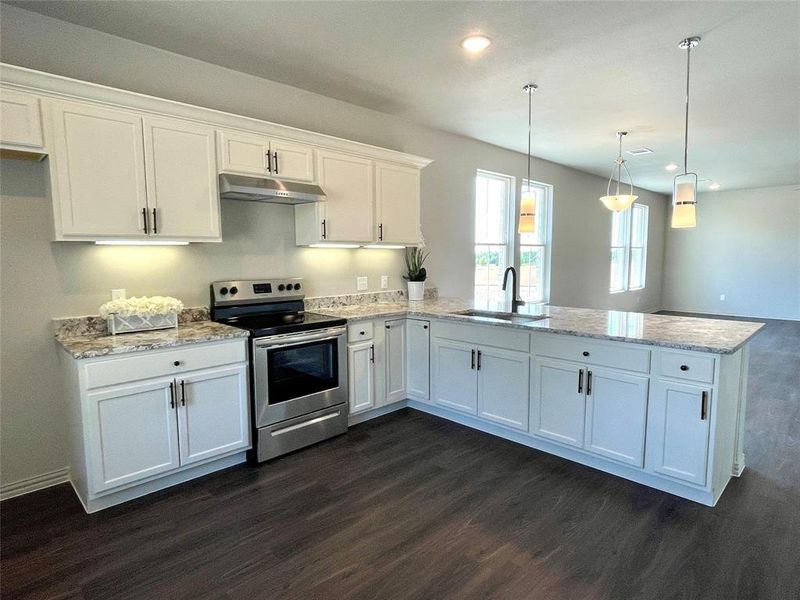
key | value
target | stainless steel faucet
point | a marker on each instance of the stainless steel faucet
(516, 301)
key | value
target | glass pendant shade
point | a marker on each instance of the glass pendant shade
(684, 201)
(527, 213)
(616, 201)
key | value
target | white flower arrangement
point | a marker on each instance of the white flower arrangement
(141, 307)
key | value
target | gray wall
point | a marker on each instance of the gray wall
(63, 279)
(747, 247)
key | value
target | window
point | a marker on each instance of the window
(629, 249)
(534, 248)
(493, 252)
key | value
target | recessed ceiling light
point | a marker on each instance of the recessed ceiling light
(713, 186)
(671, 167)
(638, 151)
(476, 43)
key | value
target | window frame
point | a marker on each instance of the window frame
(626, 222)
(544, 214)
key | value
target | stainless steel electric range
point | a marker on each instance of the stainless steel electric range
(298, 363)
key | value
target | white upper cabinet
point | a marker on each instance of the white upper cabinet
(255, 154)
(347, 213)
(397, 201)
(98, 172)
(182, 192)
(20, 121)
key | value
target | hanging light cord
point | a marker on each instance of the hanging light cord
(620, 162)
(530, 126)
(686, 127)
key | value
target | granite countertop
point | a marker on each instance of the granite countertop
(91, 345)
(716, 336)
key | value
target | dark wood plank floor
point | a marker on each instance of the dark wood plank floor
(411, 506)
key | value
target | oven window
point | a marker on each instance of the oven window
(302, 369)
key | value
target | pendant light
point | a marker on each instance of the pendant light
(684, 186)
(527, 204)
(619, 202)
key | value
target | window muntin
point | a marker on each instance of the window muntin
(629, 249)
(493, 250)
(534, 248)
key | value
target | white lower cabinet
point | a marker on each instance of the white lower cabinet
(361, 376)
(394, 359)
(678, 430)
(132, 433)
(455, 379)
(212, 413)
(503, 386)
(418, 359)
(149, 419)
(558, 405)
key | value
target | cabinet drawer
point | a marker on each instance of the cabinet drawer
(680, 365)
(159, 363)
(593, 352)
(358, 332)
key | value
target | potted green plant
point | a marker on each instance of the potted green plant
(415, 272)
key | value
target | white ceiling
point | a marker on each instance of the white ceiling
(600, 67)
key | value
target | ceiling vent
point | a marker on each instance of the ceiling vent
(639, 151)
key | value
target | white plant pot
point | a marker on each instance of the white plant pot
(416, 290)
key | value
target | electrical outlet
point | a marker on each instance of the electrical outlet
(722, 297)
(384, 282)
(362, 283)
(118, 294)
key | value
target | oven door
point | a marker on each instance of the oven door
(296, 374)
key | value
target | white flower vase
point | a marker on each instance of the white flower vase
(416, 291)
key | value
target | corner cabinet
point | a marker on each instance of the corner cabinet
(146, 420)
(118, 175)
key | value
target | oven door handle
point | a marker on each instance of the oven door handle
(296, 340)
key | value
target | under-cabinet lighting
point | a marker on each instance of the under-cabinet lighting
(140, 243)
(333, 245)
(384, 247)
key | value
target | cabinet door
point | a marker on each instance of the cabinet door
(361, 376)
(397, 201)
(418, 359)
(455, 376)
(395, 358)
(243, 152)
(97, 163)
(293, 161)
(503, 386)
(348, 210)
(678, 426)
(132, 433)
(558, 406)
(181, 179)
(616, 415)
(20, 120)
(213, 413)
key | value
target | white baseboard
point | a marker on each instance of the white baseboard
(375, 412)
(33, 484)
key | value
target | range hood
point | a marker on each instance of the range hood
(258, 189)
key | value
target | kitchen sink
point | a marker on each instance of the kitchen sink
(502, 316)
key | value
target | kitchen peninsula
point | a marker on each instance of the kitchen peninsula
(653, 398)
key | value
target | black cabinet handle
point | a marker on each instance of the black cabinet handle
(276, 162)
(144, 218)
(588, 383)
(269, 162)
(172, 394)
(362, 333)
(380, 232)
(388, 327)
(372, 353)
(183, 393)
(585, 353)
(703, 405)
(479, 360)
(684, 367)
(472, 361)
(580, 381)
(155, 220)
(424, 326)
(324, 229)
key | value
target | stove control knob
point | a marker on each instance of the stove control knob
(297, 286)
(223, 290)
(234, 289)
(281, 287)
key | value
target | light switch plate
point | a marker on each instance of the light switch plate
(118, 294)
(362, 283)
(384, 282)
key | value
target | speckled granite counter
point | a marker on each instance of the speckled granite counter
(92, 345)
(686, 333)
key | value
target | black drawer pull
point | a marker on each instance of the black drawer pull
(177, 363)
(585, 353)
(684, 367)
